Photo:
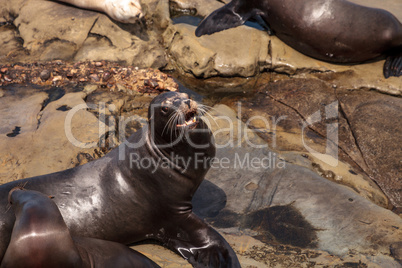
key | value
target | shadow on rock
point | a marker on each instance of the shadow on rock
(209, 200)
(282, 224)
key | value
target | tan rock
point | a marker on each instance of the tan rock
(203, 8)
(215, 55)
(340, 219)
(377, 128)
(32, 152)
(41, 23)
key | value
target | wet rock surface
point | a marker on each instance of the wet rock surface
(373, 123)
(41, 115)
(47, 30)
(295, 115)
(28, 121)
(288, 204)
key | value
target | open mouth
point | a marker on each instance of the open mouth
(191, 121)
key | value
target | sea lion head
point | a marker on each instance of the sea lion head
(178, 132)
(17, 188)
(174, 117)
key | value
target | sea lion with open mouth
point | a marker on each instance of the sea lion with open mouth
(330, 30)
(131, 195)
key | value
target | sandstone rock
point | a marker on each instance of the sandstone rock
(30, 151)
(101, 74)
(120, 42)
(280, 112)
(14, 116)
(51, 30)
(202, 8)
(216, 55)
(9, 42)
(376, 125)
(49, 26)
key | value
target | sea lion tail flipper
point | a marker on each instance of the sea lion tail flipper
(221, 19)
(393, 66)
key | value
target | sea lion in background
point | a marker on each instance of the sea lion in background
(126, 11)
(40, 238)
(330, 30)
(141, 189)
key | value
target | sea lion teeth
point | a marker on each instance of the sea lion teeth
(190, 122)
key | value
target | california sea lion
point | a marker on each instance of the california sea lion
(331, 30)
(142, 189)
(126, 11)
(40, 238)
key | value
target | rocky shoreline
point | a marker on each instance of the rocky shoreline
(55, 57)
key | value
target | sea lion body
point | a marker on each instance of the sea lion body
(331, 30)
(120, 199)
(40, 238)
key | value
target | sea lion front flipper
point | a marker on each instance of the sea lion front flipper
(393, 66)
(261, 22)
(223, 18)
(201, 245)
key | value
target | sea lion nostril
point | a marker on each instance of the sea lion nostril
(188, 102)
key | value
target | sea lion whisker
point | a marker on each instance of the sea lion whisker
(180, 119)
(209, 115)
(168, 122)
(174, 123)
(206, 106)
(181, 122)
(172, 120)
(8, 207)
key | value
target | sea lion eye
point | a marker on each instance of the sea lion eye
(165, 109)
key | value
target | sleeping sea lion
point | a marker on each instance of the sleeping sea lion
(336, 31)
